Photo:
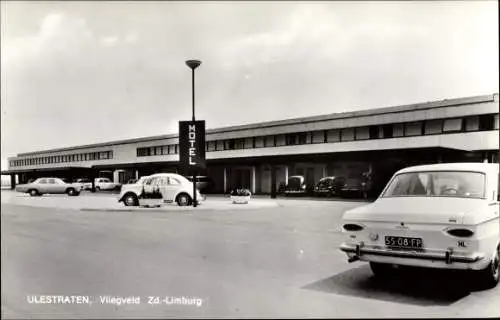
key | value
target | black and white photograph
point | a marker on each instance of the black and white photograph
(249, 159)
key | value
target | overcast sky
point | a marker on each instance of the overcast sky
(85, 72)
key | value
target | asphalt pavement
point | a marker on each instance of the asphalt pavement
(278, 258)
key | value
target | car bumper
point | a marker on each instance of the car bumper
(444, 259)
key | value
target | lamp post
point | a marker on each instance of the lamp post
(193, 64)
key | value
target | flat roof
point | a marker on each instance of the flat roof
(327, 117)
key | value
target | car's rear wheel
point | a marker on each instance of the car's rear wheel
(490, 276)
(130, 200)
(183, 199)
(34, 192)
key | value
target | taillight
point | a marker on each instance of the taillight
(352, 227)
(461, 233)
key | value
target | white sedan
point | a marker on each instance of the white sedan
(437, 216)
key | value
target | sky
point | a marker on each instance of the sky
(77, 73)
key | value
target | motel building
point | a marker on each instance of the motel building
(262, 156)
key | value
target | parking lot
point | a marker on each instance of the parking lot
(270, 258)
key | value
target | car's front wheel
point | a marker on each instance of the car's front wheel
(183, 200)
(130, 200)
(490, 276)
(34, 192)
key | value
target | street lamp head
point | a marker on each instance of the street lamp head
(193, 64)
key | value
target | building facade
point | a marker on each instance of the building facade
(262, 156)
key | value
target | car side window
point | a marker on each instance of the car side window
(42, 181)
(51, 181)
(173, 182)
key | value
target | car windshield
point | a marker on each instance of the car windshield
(295, 182)
(459, 184)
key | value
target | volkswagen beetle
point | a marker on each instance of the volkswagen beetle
(437, 216)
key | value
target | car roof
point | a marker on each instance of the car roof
(469, 166)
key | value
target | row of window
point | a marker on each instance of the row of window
(407, 129)
(89, 156)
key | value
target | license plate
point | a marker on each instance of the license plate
(403, 242)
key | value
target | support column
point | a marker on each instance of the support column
(273, 181)
(225, 180)
(93, 176)
(12, 181)
(286, 174)
(324, 170)
(253, 180)
(136, 174)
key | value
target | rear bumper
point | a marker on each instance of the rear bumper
(446, 259)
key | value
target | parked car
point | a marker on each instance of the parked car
(203, 183)
(437, 216)
(106, 184)
(296, 186)
(83, 183)
(173, 187)
(48, 185)
(329, 186)
(356, 185)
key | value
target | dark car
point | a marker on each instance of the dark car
(360, 186)
(329, 186)
(203, 183)
(296, 186)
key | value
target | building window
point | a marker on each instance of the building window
(496, 123)
(239, 143)
(302, 137)
(176, 149)
(374, 132)
(398, 130)
(219, 145)
(347, 134)
(387, 131)
(413, 129)
(291, 139)
(269, 141)
(362, 133)
(229, 144)
(249, 144)
(452, 125)
(333, 135)
(433, 126)
(486, 122)
(211, 146)
(259, 142)
(171, 149)
(318, 136)
(158, 151)
(164, 149)
(280, 140)
(472, 123)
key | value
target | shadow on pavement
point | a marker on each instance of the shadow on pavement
(424, 287)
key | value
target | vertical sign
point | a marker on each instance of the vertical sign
(192, 145)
